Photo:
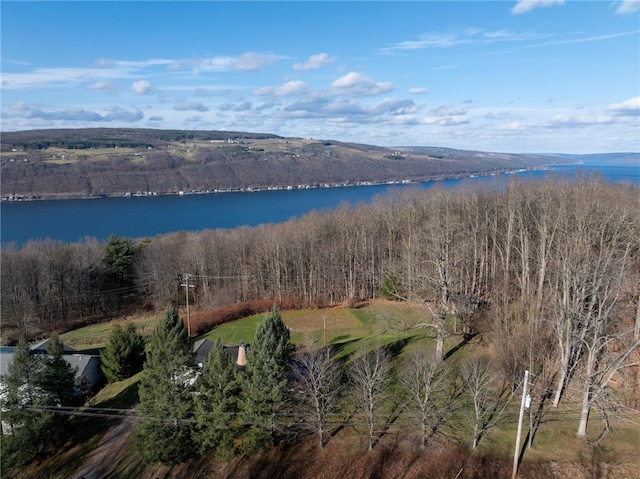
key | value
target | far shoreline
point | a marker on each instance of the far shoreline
(250, 189)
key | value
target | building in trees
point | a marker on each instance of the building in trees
(35, 386)
(86, 366)
(216, 399)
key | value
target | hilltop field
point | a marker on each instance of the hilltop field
(102, 446)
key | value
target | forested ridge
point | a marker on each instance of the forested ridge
(545, 274)
(89, 163)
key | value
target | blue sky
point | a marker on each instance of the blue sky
(512, 76)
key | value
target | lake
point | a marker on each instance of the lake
(138, 217)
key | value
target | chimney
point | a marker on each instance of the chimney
(241, 362)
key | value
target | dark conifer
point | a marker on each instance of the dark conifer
(124, 354)
(265, 391)
(166, 394)
(216, 403)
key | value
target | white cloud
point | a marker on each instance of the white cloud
(52, 77)
(630, 107)
(394, 106)
(141, 87)
(514, 126)
(286, 89)
(194, 119)
(359, 84)
(133, 65)
(216, 64)
(193, 105)
(314, 62)
(453, 120)
(417, 91)
(571, 121)
(106, 87)
(244, 106)
(202, 92)
(628, 7)
(525, 6)
(469, 36)
(253, 61)
(348, 110)
(446, 115)
(114, 113)
(250, 61)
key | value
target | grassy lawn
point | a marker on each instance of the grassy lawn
(119, 395)
(91, 339)
(379, 320)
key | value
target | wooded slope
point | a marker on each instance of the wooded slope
(84, 163)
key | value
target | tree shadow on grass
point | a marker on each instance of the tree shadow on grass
(343, 350)
(127, 398)
(466, 339)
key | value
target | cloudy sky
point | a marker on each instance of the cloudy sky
(513, 76)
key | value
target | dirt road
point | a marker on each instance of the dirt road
(104, 458)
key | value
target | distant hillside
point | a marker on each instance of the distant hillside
(85, 163)
(603, 158)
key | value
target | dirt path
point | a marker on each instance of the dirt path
(104, 458)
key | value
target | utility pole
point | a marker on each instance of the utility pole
(186, 285)
(516, 453)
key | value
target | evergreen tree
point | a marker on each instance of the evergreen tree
(21, 381)
(57, 378)
(34, 386)
(124, 354)
(118, 259)
(265, 391)
(218, 391)
(166, 394)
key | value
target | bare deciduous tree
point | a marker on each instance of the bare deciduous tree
(317, 382)
(485, 395)
(370, 376)
(424, 380)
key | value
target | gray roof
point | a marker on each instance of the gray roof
(202, 348)
(83, 362)
(41, 347)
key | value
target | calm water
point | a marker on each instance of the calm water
(137, 217)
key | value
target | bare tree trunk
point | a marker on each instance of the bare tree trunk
(440, 335)
(370, 375)
(636, 328)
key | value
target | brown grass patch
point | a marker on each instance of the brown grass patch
(311, 320)
(204, 321)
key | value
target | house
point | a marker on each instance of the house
(203, 347)
(87, 366)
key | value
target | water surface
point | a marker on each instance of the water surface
(137, 217)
